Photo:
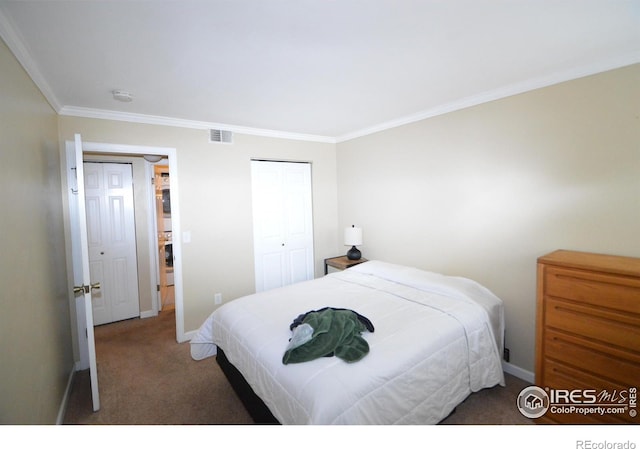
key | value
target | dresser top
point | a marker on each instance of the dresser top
(628, 266)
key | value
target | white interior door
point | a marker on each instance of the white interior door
(282, 223)
(81, 270)
(112, 241)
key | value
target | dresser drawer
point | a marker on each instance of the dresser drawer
(604, 290)
(616, 366)
(603, 325)
(561, 377)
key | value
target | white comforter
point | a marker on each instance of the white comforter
(436, 340)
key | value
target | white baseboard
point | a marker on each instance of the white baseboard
(65, 398)
(518, 372)
(189, 335)
(148, 314)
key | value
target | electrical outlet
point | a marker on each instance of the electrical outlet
(505, 356)
(217, 298)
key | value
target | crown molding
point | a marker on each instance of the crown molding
(503, 92)
(14, 42)
(75, 111)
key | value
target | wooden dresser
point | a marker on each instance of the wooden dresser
(588, 330)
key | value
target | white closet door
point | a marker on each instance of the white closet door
(112, 241)
(282, 223)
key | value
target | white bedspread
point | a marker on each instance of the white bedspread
(436, 340)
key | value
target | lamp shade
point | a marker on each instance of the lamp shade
(353, 236)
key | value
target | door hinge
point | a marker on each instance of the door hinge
(158, 287)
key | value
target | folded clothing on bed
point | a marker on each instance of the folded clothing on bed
(328, 332)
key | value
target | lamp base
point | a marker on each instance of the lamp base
(354, 254)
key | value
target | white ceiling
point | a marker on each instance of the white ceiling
(323, 70)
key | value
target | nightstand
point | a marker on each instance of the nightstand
(341, 263)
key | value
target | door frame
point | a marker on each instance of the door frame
(135, 150)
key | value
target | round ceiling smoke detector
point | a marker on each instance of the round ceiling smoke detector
(122, 95)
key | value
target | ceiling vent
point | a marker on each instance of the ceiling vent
(220, 136)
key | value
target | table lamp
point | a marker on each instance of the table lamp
(353, 237)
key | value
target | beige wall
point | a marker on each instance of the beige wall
(36, 357)
(215, 202)
(484, 191)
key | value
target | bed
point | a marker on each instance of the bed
(437, 339)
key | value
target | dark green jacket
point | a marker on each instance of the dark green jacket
(335, 332)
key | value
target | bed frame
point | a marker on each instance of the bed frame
(252, 402)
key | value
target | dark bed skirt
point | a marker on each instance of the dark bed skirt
(252, 402)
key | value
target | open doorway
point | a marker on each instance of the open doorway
(99, 150)
(74, 154)
(164, 232)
